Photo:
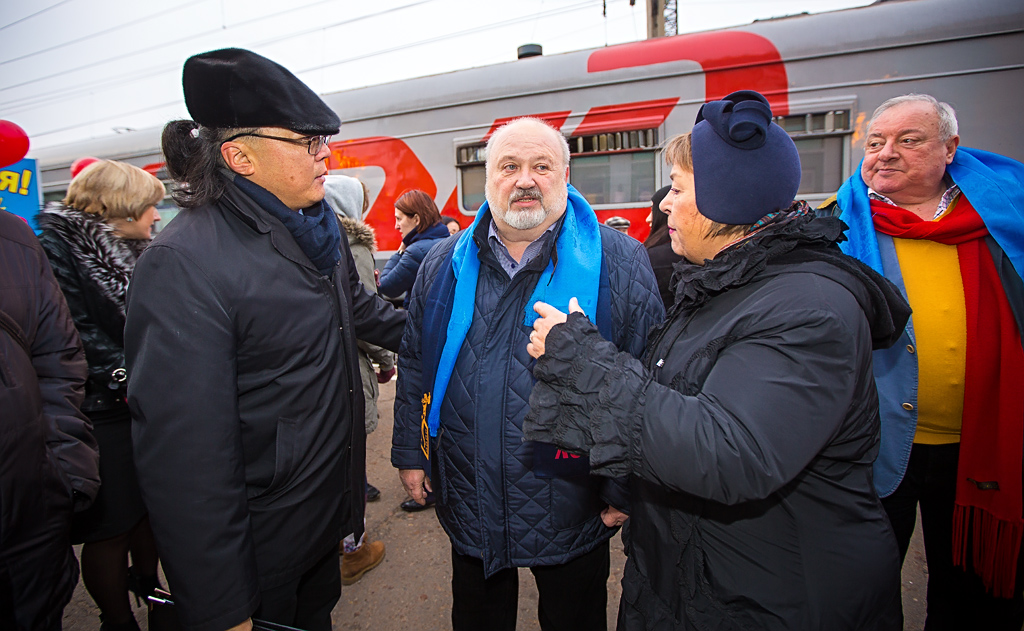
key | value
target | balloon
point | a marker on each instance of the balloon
(81, 163)
(13, 143)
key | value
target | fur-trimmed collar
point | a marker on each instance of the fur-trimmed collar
(99, 253)
(358, 232)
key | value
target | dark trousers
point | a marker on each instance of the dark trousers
(573, 596)
(956, 599)
(306, 602)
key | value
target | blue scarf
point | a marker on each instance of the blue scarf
(315, 229)
(994, 184)
(578, 252)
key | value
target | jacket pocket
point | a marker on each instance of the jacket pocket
(573, 501)
(284, 460)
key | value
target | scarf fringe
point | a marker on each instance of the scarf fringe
(993, 544)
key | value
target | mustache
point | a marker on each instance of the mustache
(523, 193)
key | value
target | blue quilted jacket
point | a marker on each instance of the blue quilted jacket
(493, 502)
(400, 271)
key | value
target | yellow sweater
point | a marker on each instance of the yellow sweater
(931, 274)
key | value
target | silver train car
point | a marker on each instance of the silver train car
(823, 73)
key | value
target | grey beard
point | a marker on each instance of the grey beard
(523, 219)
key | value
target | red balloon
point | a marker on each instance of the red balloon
(81, 163)
(13, 143)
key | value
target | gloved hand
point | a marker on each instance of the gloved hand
(385, 376)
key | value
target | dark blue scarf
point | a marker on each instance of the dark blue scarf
(315, 229)
(436, 231)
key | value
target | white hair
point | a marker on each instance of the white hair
(947, 116)
(504, 129)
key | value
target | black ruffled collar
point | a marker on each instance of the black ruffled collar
(741, 263)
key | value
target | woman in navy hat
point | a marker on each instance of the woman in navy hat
(749, 429)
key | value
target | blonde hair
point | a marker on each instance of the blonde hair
(679, 152)
(114, 190)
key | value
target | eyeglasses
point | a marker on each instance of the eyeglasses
(313, 144)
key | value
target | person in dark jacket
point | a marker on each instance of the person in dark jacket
(49, 463)
(92, 240)
(659, 248)
(417, 218)
(244, 385)
(464, 381)
(749, 429)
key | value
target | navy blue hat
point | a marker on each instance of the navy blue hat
(744, 165)
(233, 87)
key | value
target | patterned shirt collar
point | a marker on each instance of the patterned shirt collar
(508, 263)
(952, 192)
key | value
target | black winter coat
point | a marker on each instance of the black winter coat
(93, 267)
(247, 403)
(749, 430)
(491, 500)
(47, 452)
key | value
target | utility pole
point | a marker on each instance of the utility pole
(661, 18)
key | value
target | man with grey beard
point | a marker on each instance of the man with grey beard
(465, 383)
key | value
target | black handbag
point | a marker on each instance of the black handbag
(164, 617)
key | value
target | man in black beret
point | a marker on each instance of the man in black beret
(240, 341)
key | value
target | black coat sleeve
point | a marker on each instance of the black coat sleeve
(377, 321)
(772, 400)
(60, 366)
(182, 390)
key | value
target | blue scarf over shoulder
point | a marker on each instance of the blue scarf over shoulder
(578, 253)
(993, 183)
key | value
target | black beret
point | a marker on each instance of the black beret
(744, 165)
(233, 87)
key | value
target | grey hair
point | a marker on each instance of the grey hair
(947, 116)
(525, 119)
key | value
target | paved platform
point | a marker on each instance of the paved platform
(411, 588)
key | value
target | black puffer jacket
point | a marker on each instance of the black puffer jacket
(493, 502)
(749, 431)
(93, 267)
(246, 403)
(47, 453)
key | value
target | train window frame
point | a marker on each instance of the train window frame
(831, 125)
(470, 163)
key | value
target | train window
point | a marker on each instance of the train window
(470, 162)
(473, 180)
(609, 169)
(615, 168)
(820, 140)
(614, 178)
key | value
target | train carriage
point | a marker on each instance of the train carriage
(824, 74)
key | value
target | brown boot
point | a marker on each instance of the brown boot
(355, 564)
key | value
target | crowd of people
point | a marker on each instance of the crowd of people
(759, 397)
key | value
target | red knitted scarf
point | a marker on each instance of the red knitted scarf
(987, 518)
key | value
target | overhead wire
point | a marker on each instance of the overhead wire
(32, 15)
(23, 104)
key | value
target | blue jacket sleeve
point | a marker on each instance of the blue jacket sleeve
(405, 442)
(400, 271)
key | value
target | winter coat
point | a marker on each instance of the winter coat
(492, 499)
(749, 431)
(93, 267)
(246, 403)
(399, 272)
(363, 244)
(48, 459)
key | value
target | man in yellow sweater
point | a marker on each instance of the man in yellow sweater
(946, 224)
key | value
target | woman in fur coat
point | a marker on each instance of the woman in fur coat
(92, 240)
